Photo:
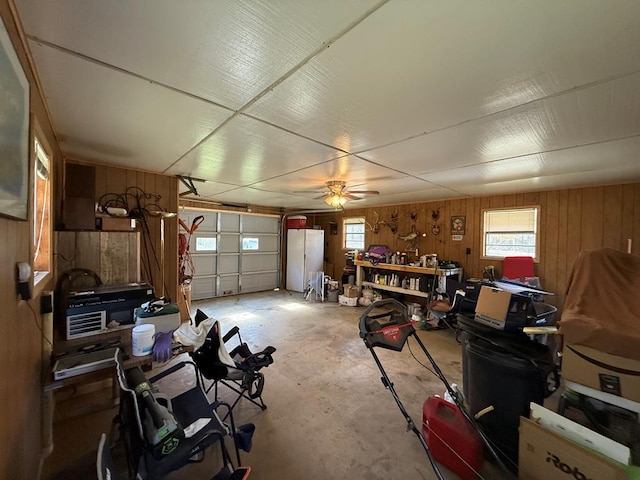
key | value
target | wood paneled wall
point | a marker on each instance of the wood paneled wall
(570, 221)
(114, 256)
(24, 335)
(116, 180)
(22, 341)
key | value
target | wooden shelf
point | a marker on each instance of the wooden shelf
(404, 291)
(440, 273)
(410, 268)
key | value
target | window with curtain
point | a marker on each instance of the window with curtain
(41, 213)
(353, 233)
(509, 232)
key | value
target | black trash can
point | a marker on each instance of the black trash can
(506, 370)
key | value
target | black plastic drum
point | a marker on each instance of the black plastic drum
(506, 371)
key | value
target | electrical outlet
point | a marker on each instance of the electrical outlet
(46, 302)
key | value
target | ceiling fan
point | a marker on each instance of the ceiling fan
(336, 193)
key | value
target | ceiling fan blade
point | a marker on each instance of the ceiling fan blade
(363, 192)
(350, 197)
(322, 196)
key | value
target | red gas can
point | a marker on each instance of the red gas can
(452, 441)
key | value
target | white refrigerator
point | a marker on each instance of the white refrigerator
(305, 254)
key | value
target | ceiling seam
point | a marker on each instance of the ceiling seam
(551, 150)
(423, 134)
(284, 77)
(110, 66)
(499, 112)
(293, 70)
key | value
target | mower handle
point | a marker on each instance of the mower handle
(380, 303)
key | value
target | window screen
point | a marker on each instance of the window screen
(353, 233)
(510, 232)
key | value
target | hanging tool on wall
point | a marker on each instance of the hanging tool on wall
(186, 269)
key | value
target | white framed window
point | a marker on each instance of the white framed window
(250, 243)
(508, 232)
(206, 244)
(353, 233)
(41, 212)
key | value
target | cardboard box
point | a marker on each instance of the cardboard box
(503, 310)
(351, 291)
(544, 454)
(602, 371)
(349, 302)
(118, 224)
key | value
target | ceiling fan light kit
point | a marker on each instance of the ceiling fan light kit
(335, 200)
(336, 193)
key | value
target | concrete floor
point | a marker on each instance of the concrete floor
(328, 415)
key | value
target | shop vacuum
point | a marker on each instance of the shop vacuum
(449, 435)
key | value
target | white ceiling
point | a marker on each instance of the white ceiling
(418, 99)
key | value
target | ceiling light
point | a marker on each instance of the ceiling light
(335, 200)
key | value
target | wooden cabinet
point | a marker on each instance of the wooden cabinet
(364, 268)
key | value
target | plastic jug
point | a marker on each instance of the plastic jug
(451, 439)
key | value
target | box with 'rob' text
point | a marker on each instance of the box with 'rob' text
(543, 454)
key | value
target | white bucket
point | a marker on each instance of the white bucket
(142, 339)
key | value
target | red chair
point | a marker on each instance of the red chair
(517, 267)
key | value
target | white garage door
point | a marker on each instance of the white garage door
(233, 253)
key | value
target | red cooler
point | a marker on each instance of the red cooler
(452, 441)
(297, 221)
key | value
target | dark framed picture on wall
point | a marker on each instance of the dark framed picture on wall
(458, 224)
(14, 132)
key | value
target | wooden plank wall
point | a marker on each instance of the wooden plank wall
(116, 180)
(571, 220)
(20, 361)
(114, 256)
(24, 333)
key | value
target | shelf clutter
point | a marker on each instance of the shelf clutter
(406, 279)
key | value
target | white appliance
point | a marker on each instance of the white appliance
(305, 254)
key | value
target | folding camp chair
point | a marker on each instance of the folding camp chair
(238, 370)
(162, 433)
(104, 462)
